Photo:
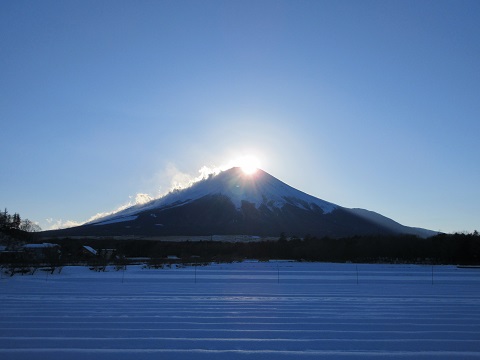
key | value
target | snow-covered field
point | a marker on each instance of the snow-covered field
(250, 310)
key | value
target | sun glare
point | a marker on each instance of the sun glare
(249, 164)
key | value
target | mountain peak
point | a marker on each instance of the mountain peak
(258, 188)
(234, 202)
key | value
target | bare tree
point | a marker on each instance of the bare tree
(29, 226)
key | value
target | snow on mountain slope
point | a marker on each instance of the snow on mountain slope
(259, 188)
(391, 224)
(233, 203)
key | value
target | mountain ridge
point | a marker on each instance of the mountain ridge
(234, 184)
(234, 203)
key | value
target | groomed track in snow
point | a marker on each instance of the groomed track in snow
(250, 310)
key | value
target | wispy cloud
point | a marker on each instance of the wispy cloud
(182, 180)
(142, 198)
(171, 176)
(56, 224)
(138, 199)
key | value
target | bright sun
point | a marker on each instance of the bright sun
(249, 164)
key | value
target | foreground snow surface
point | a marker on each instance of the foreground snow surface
(249, 310)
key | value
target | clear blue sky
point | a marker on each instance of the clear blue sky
(371, 104)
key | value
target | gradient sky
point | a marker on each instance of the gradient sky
(370, 104)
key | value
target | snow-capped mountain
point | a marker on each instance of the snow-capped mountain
(260, 189)
(234, 203)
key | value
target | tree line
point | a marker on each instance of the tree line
(459, 248)
(14, 222)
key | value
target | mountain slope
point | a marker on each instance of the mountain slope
(260, 189)
(393, 225)
(233, 203)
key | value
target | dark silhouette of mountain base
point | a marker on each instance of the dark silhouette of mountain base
(233, 203)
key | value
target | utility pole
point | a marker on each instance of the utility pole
(432, 274)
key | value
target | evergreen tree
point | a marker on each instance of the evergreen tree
(16, 221)
(5, 219)
(2, 219)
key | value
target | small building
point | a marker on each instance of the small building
(88, 251)
(172, 259)
(7, 256)
(41, 251)
(108, 254)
